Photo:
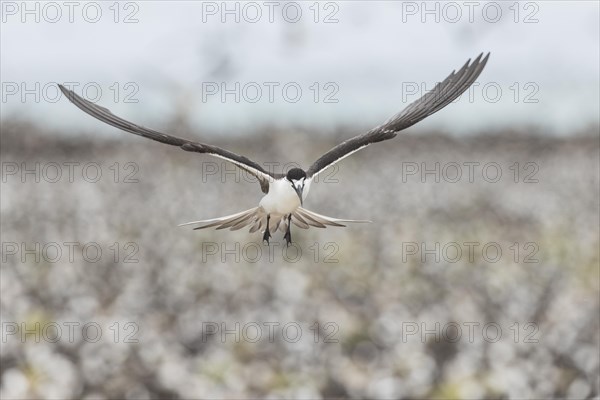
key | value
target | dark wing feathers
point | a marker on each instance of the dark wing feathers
(439, 97)
(104, 115)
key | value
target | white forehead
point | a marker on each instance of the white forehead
(296, 181)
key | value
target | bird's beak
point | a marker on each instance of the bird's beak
(299, 193)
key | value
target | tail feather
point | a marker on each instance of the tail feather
(235, 221)
(242, 223)
(299, 222)
(257, 226)
(321, 220)
(230, 221)
(274, 226)
(256, 219)
(283, 225)
(309, 219)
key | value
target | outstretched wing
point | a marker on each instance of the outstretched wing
(104, 115)
(439, 97)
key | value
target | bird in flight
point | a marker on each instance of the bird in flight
(284, 196)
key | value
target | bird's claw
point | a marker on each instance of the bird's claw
(288, 238)
(266, 236)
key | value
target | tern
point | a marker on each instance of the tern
(285, 194)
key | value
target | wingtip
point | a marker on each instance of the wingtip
(186, 224)
(479, 60)
(487, 56)
(483, 62)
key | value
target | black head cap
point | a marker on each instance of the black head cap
(295, 173)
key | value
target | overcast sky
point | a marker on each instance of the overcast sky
(301, 64)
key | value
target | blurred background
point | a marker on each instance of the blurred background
(478, 278)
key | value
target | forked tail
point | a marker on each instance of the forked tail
(256, 218)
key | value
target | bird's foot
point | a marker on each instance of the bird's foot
(266, 236)
(288, 237)
(288, 231)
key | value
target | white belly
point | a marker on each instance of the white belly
(281, 199)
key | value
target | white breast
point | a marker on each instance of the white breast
(281, 199)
